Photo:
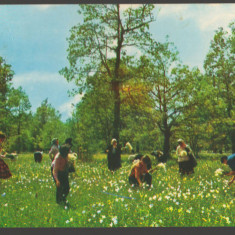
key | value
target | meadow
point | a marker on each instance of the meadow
(101, 199)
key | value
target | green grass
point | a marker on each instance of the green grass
(28, 197)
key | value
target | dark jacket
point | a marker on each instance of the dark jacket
(114, 157)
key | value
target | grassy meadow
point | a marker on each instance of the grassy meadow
(101, 199)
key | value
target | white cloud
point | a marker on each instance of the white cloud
(169, 9)
(35, 77)
(67, 108)
(215, 16)
(208, 17)
(43, 7)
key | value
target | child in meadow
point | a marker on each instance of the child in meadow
(140, 172)
(60, 174)
(4, 169)
(230, 161)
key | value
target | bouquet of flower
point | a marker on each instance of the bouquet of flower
(161, 166)
(71, 161)
(219, 172)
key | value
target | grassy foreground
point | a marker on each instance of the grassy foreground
(100, 199)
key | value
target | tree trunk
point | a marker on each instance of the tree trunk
(166, 147)
(117, 103)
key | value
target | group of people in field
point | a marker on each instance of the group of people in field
(140, 171)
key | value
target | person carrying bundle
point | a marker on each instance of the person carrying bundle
(140, 172)
(5, 172)
(186, 159)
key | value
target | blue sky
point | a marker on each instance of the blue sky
(33, 41)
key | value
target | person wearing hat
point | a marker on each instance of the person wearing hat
(5, 172)
(183, 152)
(230, 161)
(114, 156)
(60, 174)
(54, 148)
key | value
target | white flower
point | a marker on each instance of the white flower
(67, 221)
(6, 204)
(101, 221)
(161, 166)
(114, 220)
(218, 172)
(227, 220)
(151, 205)
(83, 212)
(98, 212)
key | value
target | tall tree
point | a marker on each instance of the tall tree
(170, 88)
(6, 75)
(46, 125)
(106, 33)
(219, 67)
(19, 106)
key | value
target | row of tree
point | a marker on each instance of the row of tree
(135, 89)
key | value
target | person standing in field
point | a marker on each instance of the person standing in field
(114, 156)
(60, 174)
(140, 172)
(183, 152)
(54, 149)
(5, 172)
(230, 161)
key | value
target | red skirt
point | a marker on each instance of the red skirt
(4, 170)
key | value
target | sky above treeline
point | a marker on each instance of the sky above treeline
(33, 41)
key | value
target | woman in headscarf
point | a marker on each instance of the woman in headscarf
(186, 159)
(114, 155)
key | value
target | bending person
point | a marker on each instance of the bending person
(230, 161)
(140, 172)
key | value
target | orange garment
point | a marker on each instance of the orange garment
(138, 170)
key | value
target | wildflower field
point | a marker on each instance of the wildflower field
(101, 199)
